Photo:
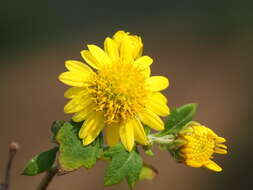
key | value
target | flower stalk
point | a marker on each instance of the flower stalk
(47, 179)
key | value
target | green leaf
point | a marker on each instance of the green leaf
(178, 118)
(40, 163)
(148, 172)
(123, 164)
(73, 154)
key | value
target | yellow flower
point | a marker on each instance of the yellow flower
(119, 95)
(201, 144)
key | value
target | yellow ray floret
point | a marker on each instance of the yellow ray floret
(201, 144)
(118, 94)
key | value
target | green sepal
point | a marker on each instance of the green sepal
(147, 129)
(176, 155)
(176, 144)
(178, 118)
(73, 154)
(41, 162)
(55, 127)
(123, 165)
(188, 127)
(148, 172)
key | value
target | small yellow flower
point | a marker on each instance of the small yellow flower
(118, 95)
(201, 144)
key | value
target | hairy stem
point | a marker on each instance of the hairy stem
(161, 140)
(49, 176)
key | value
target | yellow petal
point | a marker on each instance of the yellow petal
(73, 65)
(112, 134)
(119, 35)
(222, 146)
(151, 119)
(159, 97)
(91, 128)
(77, 79)
(139, 133)
(158, 106)
(220, 139)
(90, 59)
(83, 114)
(74, 91)
(213, 166)
(77, 104)
(211, 133)
(193, 164)
(126, 51)
(156, 83)
(111, 48)
(137, 46)
(146, 72)
(126, 133)
(220, 151)
(99, 55)
(143, 62)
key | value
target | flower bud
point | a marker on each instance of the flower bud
(200, 145)
(135, 42)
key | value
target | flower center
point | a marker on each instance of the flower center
(118, 91)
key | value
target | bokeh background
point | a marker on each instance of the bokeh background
(203, 47)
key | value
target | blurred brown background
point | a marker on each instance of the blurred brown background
(203, 47)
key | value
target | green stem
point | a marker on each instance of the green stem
(49, 176)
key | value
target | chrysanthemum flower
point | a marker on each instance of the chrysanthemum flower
(201, 144)
(118, 94)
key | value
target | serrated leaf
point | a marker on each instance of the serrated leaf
(178, 118)
(148, 172)
(73, 154)
(123, 164)
(40, 163)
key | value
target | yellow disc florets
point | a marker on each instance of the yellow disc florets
(201, 144)
(118, 91)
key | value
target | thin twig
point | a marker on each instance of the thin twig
(48, 177)
(13, 148)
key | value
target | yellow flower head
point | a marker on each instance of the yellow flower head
(118, 95)
(201, 144)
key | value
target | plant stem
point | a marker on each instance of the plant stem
(13, 148)
(161, 140)
(48, 177)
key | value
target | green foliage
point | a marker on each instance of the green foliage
(123, 164)
(178, 118)
(148, 172)
(40, 163)
(73, 154)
